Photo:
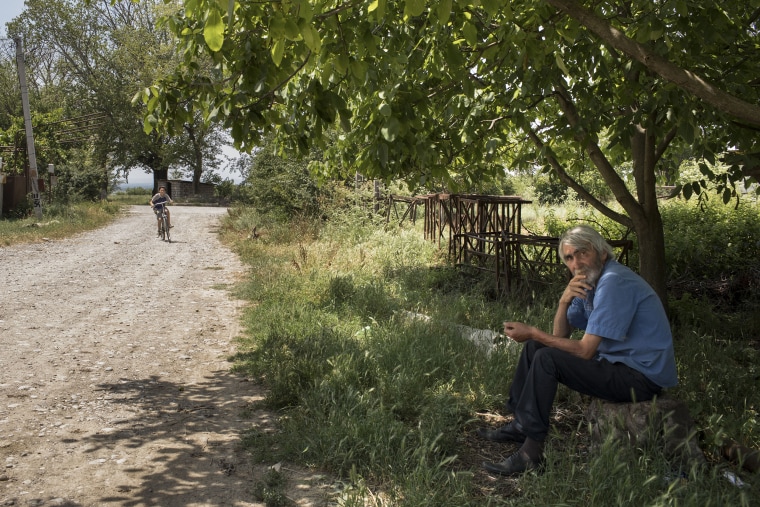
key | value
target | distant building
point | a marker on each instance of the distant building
(179, 189)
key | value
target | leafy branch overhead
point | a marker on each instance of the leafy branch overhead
(430, 90)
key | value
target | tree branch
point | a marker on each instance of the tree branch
(608, 173)
(684, 79)
(570, 182)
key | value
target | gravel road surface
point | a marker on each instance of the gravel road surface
(115, 386)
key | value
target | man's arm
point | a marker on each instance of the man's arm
(559, 339)
(584, 348)
(562, 327)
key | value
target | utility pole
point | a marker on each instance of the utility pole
(28, 123)
(2, 182)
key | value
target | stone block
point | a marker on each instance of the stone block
(662, 422)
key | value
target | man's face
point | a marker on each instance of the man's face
(583, 261)
(162, 191)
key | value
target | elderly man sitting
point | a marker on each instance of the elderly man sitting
(625, 354)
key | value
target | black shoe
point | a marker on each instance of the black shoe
(507, 433)
(515, 464)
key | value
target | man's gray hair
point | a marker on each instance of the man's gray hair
(583, 236)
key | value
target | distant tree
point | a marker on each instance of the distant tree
(281, 185)
(91, 58)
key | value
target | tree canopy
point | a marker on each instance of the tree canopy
(89, 58)
(455, 91)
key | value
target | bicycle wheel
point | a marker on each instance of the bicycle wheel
(161, 229)
(165, 227)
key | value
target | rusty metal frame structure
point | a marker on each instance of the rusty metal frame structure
(480, 227)
(410, 212)
(485, 232)
(538, 256)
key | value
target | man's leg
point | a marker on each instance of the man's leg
(547, 367)
(539, 371)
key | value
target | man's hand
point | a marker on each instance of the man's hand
(577, 287)
(518, 331)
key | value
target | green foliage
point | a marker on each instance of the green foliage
(76, 184)
(271, 490)
(281, 186)
(59, 221)
(47, 145)
(712, 240)
(614, 475)
(549, 192)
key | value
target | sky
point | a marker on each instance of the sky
(11, 9)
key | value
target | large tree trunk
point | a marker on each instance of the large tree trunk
(645, 215)
(651, 238)
(197, 158)
(642, 209)
(159, 174)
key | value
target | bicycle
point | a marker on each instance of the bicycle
(163, 222)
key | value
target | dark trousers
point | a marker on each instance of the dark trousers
(540, 369)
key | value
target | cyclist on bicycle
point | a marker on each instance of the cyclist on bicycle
(159, 200)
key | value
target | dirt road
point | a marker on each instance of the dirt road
(114, 381)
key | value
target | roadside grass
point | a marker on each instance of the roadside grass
(57, 222)
(136, 196)
(353, 330)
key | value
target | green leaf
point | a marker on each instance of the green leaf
(345, 119)
(152, 103)
(139, 97)
(292, 32)
(213, 31)
(148, 123)
(305, 10)
(341, 63)
(453, 56)
(385, 110)
(705, 170)
(276, 27)
(278, 50)
(359, 69)
(414, 8)
(561, 64)
(380, 9)
(391, 129)
(726, 195)
(470, 34)
(492, 7)
(382, 154)
(444, 11)
(230, 12)
(311, 37)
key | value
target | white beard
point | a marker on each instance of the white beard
(592, 272)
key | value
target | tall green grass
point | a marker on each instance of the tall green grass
(58, 221)
(386, 402)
